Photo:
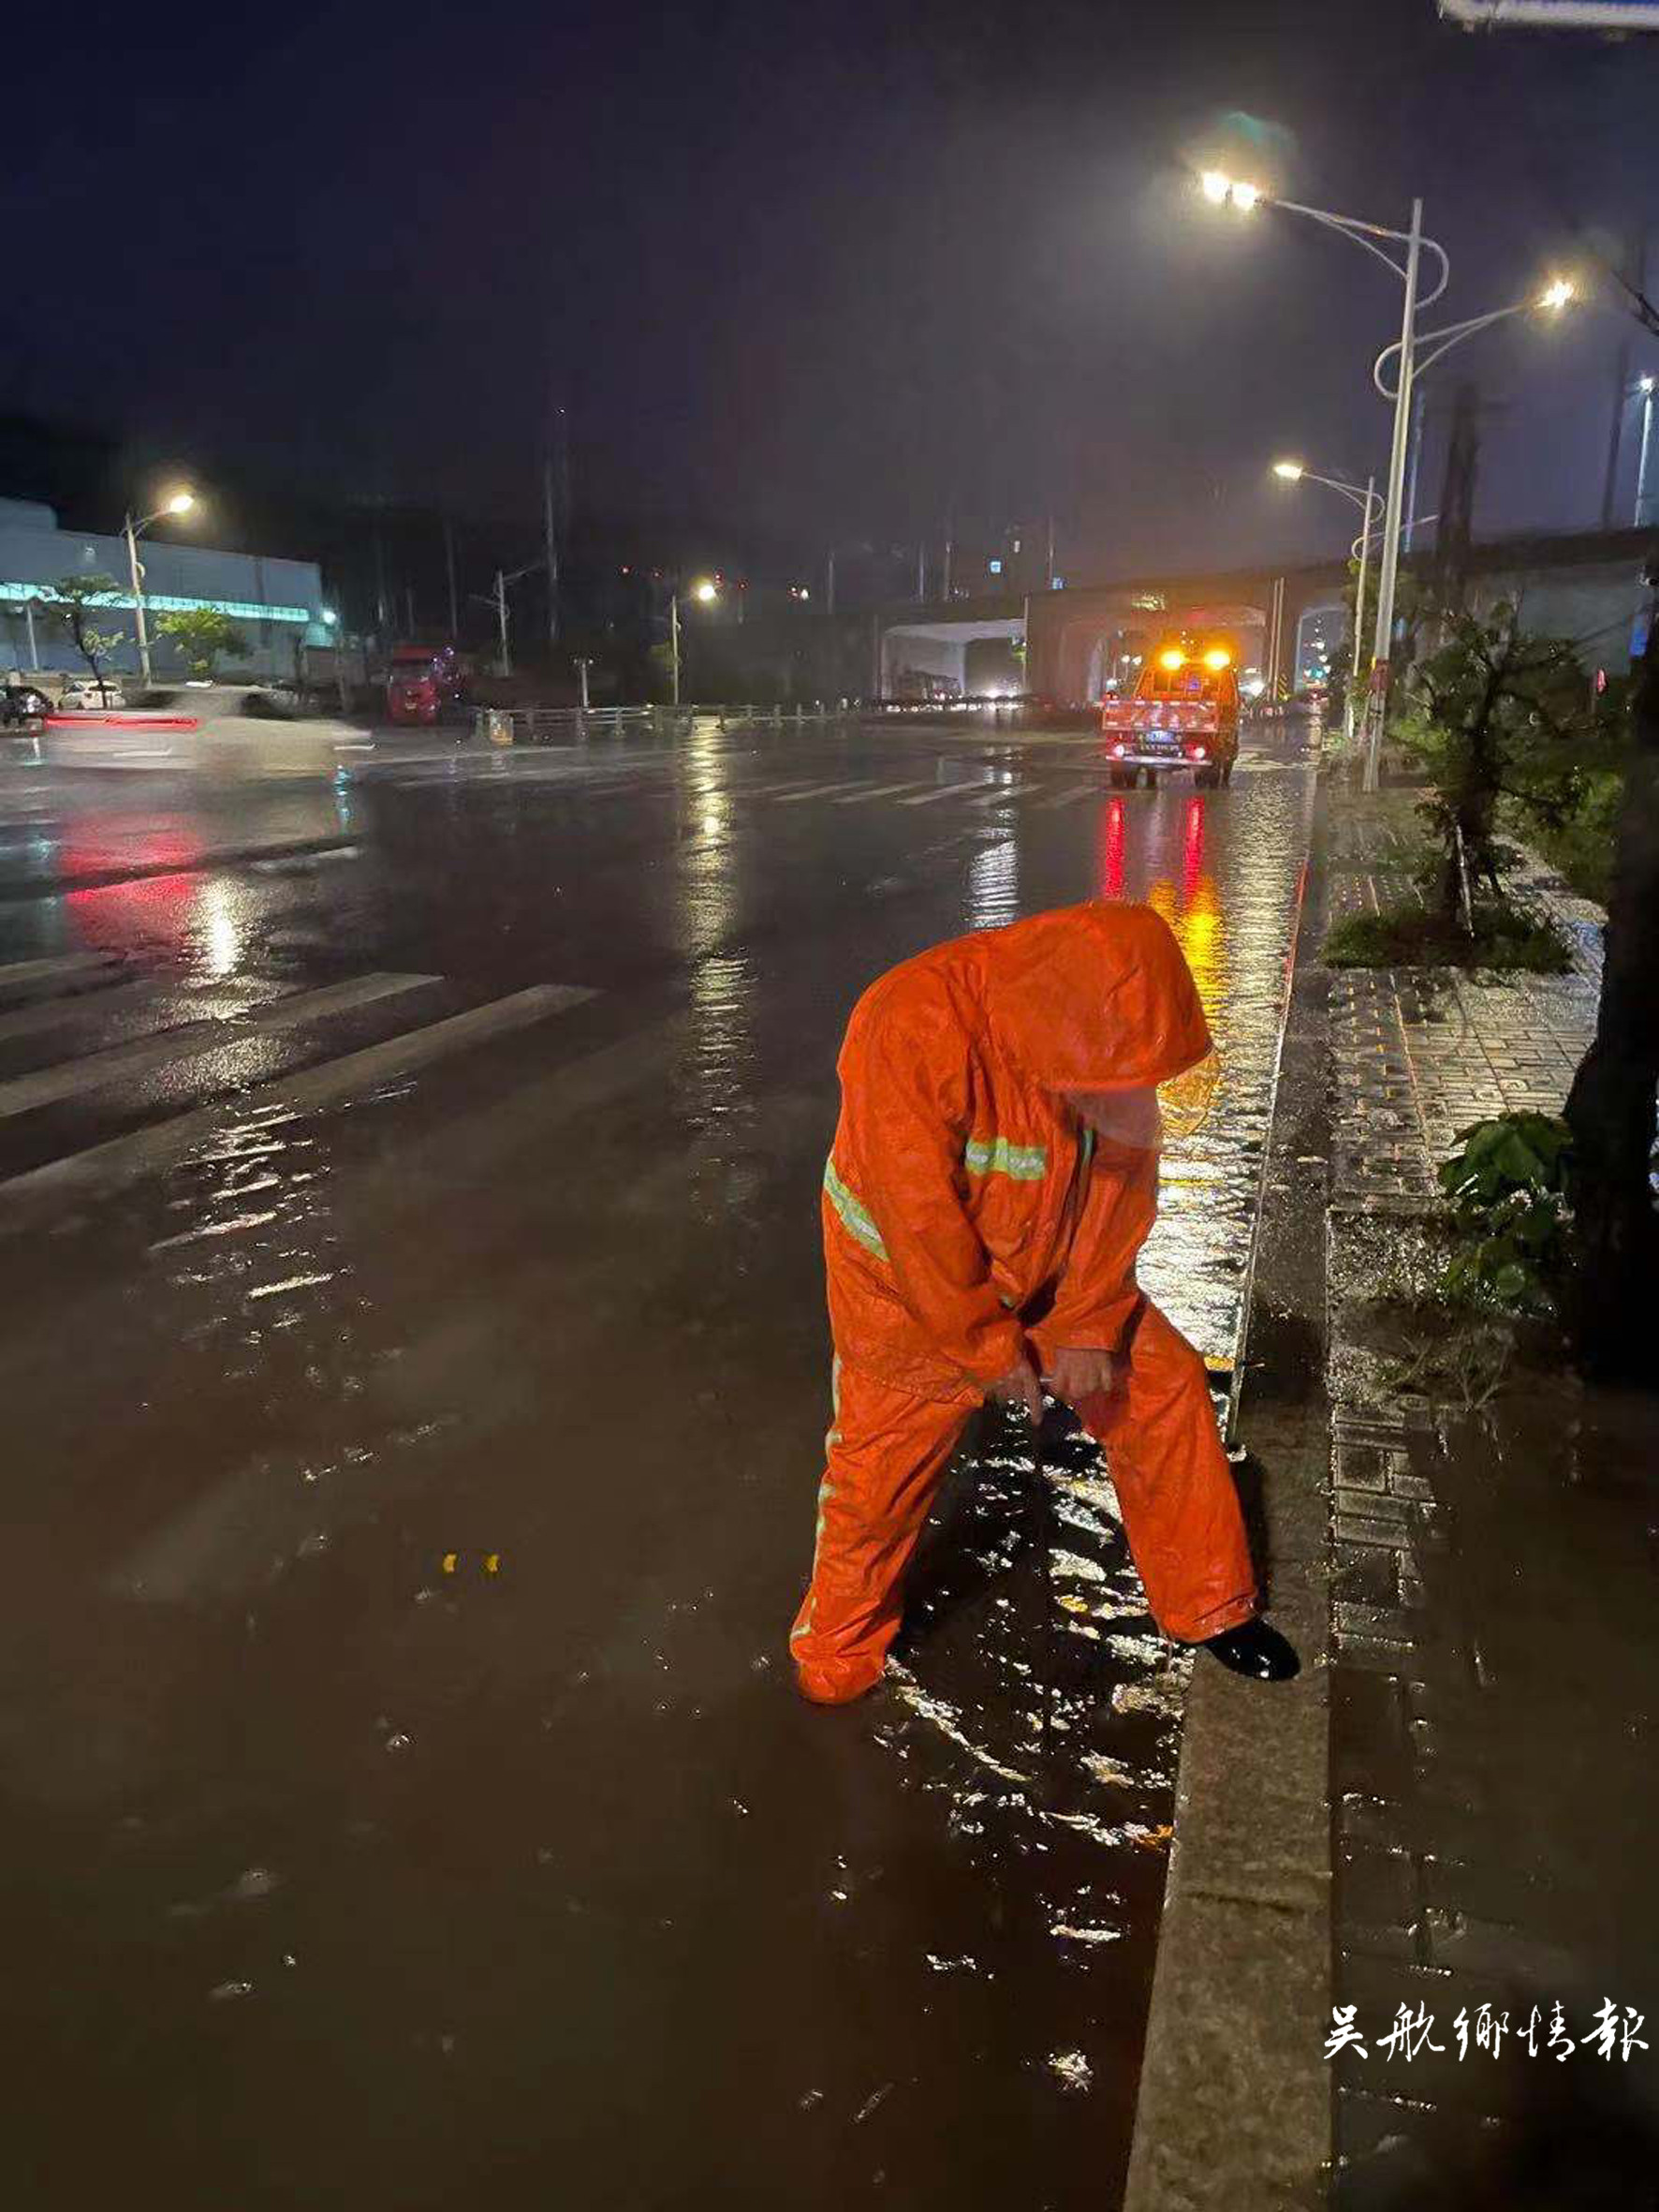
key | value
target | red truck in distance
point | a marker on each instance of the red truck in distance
(1183, 715)
(425, 684)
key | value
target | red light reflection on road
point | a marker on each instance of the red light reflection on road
(1111, 850)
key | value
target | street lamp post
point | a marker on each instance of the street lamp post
(1223, 190)
(180, 503)
(1413, 364)
(1367, 500)
(705, 593)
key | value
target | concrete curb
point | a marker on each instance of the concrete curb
(1235, 2101)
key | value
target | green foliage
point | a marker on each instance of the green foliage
(1496, 714)
(1508, 1184)
(1410, 604)
(1414, 935)
(202, 634)
(1581, 843)
(77, 600)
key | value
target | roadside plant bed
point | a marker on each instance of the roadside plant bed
(1446, 1307)
(1505, 937)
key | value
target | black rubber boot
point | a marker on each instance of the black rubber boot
(1254, 1650)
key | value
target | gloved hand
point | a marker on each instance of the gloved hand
(1019, 1387)
(1078, 1374)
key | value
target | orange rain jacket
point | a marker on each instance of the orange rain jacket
(953, 1145)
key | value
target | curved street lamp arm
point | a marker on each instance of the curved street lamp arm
(1357, 493)
(1439, 342)
(1366, 234)
(1415, 521)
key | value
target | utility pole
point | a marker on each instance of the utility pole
(1394, 514)
(950, 552)
(553, 460)
(1411, 471)
(921, 571)
(449, 567)
(674, 635)
(830, 593)
(500, 595)
(1048, 577)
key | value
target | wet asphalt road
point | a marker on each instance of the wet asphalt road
(415, 1402)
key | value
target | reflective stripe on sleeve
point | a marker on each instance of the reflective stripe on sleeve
(853, 1214)
(995, 1156)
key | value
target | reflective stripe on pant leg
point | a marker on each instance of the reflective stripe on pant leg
(1181, 1506)
(887, 1455)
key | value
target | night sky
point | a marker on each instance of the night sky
(802, 273)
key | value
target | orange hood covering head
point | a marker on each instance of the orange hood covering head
(1094, 997)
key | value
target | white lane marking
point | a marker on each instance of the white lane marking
(878, 792)
(62, 964)
(1073, 795)
(813, 792)
(190, 1039)
(956, 791)
(123, 1159)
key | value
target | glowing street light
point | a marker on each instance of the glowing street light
(1292, 471)
(177, 503)
(1557, 294)
(705, 591)
(1222, 190)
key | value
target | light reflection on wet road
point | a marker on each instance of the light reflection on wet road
(437, 1885)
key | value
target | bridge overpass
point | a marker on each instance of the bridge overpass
(1586, 585)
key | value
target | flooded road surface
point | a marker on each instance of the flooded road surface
(415, 1373)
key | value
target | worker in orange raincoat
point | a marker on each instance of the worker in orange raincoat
(994, 1174)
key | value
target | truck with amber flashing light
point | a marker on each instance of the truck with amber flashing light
(1182, 717)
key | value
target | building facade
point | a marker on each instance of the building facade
(276, 605)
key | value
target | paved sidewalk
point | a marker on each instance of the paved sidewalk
(1494, 1676)
(1420, 1053)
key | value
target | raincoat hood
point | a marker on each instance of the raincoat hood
(1093, 997)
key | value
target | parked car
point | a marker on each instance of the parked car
(90, 694)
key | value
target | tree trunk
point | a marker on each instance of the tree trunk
(1611, 1107)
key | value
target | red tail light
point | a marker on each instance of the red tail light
(1119, 751)
(1196, 753)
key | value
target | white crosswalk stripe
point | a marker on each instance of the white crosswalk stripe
(123, 1158)
(999, 792)
(190, 1039)
(51, 1013)
(61, 963)
(878, 791)
(962, 788)
(811, 791)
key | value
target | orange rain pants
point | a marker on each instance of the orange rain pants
(888, 1454)
(968, 1216)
